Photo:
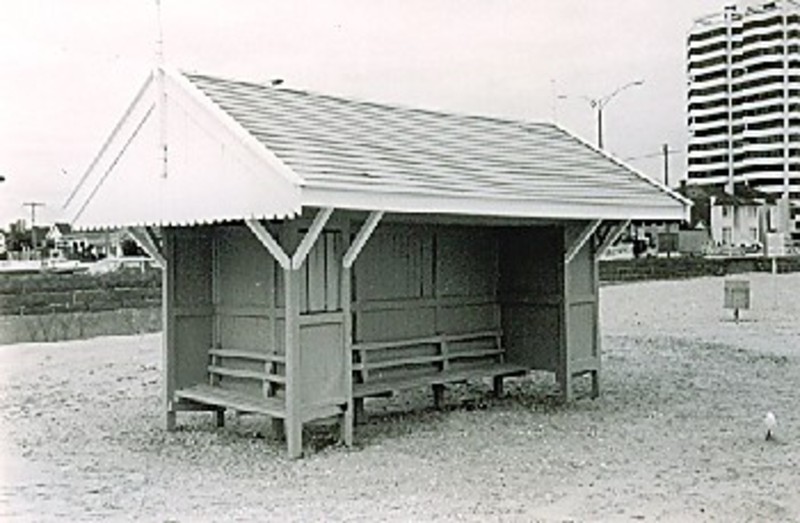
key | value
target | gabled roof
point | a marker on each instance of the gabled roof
(268, 152)
(61, 228)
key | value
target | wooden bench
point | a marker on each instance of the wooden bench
(259, 366)
(384, 368)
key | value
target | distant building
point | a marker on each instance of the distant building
(743, 219)
(744, 103)
(67, 243)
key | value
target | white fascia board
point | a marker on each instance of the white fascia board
(415, 203)
(655, 183)
(247, 139)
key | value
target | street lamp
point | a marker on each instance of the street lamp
(598, 104)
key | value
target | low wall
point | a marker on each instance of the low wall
(78, 325)
(53, 307)
(42, 307)
(690, 267)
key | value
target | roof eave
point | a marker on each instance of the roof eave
(480, 206)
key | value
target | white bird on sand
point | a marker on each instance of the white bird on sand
(771, 423)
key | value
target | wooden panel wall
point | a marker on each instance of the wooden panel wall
(582, 307)
(323, 358)
(192, 315)
(415, 281)
(244, 296)
(531, 294)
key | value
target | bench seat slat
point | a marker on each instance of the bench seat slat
(374, 388)
(475, 353)
(399, 362)
(480, 335)
(248, 355)
(245, 373)
(381, 345)
(208, 395)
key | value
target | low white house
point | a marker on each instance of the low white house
(741, 221)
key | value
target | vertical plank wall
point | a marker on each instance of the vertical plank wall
(416, 281)
(244, 301)
(532, 294)
(189, 324)
(322, 344)
(582, 307)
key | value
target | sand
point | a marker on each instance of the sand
(676, 436)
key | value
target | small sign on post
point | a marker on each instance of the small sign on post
(737, 296)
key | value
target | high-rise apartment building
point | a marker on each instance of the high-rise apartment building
(744, 101)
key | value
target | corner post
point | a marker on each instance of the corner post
(348, 418)
(168, 328)
(293, 422)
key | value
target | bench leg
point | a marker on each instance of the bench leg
(294, 438)
(497, 386)
(438, 395)
(169, 420)
(220, 417)
(565, 386)
(595, 384)
(347, 422)
(278, 431)
(359, 416)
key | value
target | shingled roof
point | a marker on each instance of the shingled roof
(272, 151)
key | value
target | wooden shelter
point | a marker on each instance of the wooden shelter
(318, 251)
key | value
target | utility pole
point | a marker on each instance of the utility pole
(665, 151)
(33, 206)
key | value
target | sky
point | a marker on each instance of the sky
(70, 67)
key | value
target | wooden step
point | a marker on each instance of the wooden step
(208, 395)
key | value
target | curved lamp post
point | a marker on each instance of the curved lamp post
(598, 104)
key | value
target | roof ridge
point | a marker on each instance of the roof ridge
(381, 105)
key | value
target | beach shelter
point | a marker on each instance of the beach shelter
(317, 250)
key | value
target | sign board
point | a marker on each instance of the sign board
(737, 294)
(776, 244)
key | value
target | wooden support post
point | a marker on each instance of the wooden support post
(348, 417)
(497, 386)
(438, 395)
(293, 423)
(563, 372)
(359, 416)
(169, 363)
(610, 238)
(595, 384)
(278, 429)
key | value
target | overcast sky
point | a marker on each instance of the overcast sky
(69, 68)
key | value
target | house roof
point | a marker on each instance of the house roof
(239, 150)
(742, 195)
(62, 228)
